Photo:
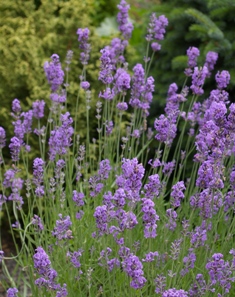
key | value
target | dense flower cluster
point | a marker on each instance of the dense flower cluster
(42, 264)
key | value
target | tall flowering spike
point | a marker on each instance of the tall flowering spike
(15, 147)
(122, 81)
(134, 268)
(149, 218)
(16, 108)
(38, 169)
(137, 86)
(220, 272)
(54, 72)
(38, 109)
(211, 58)
(166, 129)
(106, 66)
(131, 178)
(156, 30)
(198, 78)
(104, 169)
(12, 292)
(2, 138)
(192, 53)
(60, 138)
(222, 78)
(125, 26)
(83, 36)
(61, 231)
(175, 293)
(177, 193)
(42, 264)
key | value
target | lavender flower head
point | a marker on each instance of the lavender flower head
(222, 78)
(211, 58)
(175, 293)
(16, 108)
(38, 109)
(125, 26)
(198, 78)
(12, 292)
(61, 231)
(2, 138)
(156, 30)
(83, 36)
(192, 54)
(54, 72)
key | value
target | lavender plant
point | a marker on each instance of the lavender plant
(109, 217)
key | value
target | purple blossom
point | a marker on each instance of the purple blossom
(15, 147)
(38, 109)
(126, 220)
(59, 97)
(85, 85)
(149, 257)
(2, 138)
(16, 108)
(78, 198)
(106, 66)
(211, 58)
(166, 129)
(131, 178)
(172, 215)
(75, 258)
(155, 46)
(104, 169)
(38, 169)
(189, 262)
(122, 81)
(222, 78)
(220, 272)
(149, 218)
(137, 85)
(36, 220)
(102, 217)
(156, 28)
(12, 292)
(134, 268)
(198, 236)
(9, 175)
(175, 293)
(3, 199)
(199, 288)
(42, 264)
(60, 138)
(177, 193)
(62, 231)
(54, 72)
(122, 106)
(125, 26)
(1, 255)
(83, 36)
(192, 54)
(198, 79)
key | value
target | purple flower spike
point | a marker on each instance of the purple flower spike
(211, 59)
(2, 138)
(175, 293)
(61, 231)
(12, 292)
(125, 26)
(222, 78)
(15, 147)
(54, 72)
(198, 79)
(192, 54)
(83, 36)
(38, 109)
